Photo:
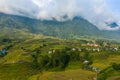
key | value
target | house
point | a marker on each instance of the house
(92, 44)
(73, 49)
(93, 49)
(115, 48)
(96, 69)
(49, 52)
(92, 68)
(98, 49)
(85, 61)
(3, 52)
(53, 51)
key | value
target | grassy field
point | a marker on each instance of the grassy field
(109, 74)
(114, 78)
(16, 71)
(11, 67)
(77, 74)
(102, 64)
(26, 72)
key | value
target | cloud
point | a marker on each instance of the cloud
(95, 11)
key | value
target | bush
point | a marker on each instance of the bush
(74, 55)
(116, 66)
(59, 59)
(88, 57)
(43, 61)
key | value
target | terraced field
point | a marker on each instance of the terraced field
(77, 74)
(114, 78)
(18, 63)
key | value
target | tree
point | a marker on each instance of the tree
(35, 63)
(116, 66)
(74, 55)
(43, 61)
(59, 59)
(88, 57)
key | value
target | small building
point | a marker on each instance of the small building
(3, 52)
(92, 44)
(49, 52)
(85, 61)
(98, 49)
(73, 49)
(115, 48)
(96, 69)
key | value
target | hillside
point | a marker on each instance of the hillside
(42, 58)
(75, 28)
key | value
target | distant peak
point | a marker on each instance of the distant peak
(112, 24)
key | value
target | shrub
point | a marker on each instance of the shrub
(116, 66)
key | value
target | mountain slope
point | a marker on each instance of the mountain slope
(76, 27)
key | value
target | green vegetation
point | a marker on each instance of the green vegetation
(16, 71)
(64, 75)
(49, 58)
(111, 72)
(27, 55)
(73, 29)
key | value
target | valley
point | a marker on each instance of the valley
(50, 58)
(33, 49)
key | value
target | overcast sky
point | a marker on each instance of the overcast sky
(98, 12)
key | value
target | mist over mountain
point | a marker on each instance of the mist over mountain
(96, 12)
(76, 28)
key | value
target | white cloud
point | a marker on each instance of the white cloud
(95, 11)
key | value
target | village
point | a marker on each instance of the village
(50, 54)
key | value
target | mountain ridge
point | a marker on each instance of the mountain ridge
(71, 29)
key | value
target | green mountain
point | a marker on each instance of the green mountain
(72, 29)
(76, 27)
